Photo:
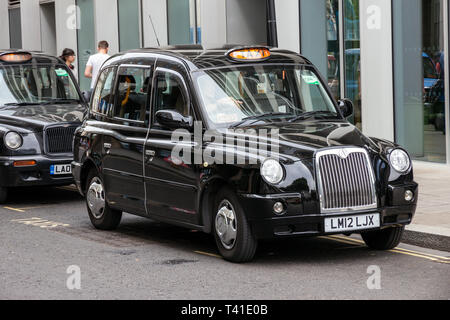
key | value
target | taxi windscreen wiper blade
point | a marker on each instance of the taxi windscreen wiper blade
(21, 104)
(311, 114)
(61, 101)
(261, 116)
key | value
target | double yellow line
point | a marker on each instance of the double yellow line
(407, 252)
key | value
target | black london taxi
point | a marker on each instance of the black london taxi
(161, 119)
(40, 108)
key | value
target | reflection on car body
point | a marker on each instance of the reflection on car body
(324, 177)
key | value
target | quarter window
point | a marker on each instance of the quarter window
(103, 95)
(132, 93)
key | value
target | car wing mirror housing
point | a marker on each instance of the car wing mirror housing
(346, 108)
(174, 120)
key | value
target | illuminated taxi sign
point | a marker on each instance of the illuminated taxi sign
(15, 57)
(250, 54)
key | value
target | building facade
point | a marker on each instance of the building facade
(390, 57)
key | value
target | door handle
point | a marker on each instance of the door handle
(150, 153)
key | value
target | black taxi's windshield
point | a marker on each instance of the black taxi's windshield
(248, 94)
(36, 85)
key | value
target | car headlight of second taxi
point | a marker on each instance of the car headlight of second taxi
(400, 161)
(272, 171)
(13, 140)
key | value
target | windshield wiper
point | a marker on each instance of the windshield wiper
(261, 116)
(311, 114)
(21, 104)
(61, 101)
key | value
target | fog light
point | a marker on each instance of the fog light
(278, 208)
(409, 196)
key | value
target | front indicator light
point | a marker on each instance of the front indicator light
(26, 163)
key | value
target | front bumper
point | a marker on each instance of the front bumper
(303, 218)
(37, 175)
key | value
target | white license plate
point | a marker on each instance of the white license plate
(352, 223)
(61, 169)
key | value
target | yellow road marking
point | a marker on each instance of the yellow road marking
(208, 254)
(25, 209)
(345, 241)
(41, 223)
(397, 250)
(14, 209)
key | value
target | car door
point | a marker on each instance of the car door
(124, 140)
(171, 184)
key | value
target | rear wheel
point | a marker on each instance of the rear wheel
(234, 238)
(101, 215)
(386, 239)
(3, 194)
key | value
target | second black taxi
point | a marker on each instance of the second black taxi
(146, 148)
(40, 108)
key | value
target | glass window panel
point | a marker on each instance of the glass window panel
(15, 28)
(179, 22)
(333, 47)
(419, 78)
(129, 24)
(86, 39)
(353, 57)
(132, 92)
(103, 97)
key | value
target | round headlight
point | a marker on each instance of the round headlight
(272, 171)
(13, 140)
(400, 161)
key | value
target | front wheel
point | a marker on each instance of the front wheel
(234, 238)
(101, 215)
(386, 239)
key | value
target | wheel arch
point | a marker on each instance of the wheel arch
(207, 199)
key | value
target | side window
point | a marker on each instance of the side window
(132, 93)
(170, 94)
(103, 95)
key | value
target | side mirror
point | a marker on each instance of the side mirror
(174, 120)
(346, 107)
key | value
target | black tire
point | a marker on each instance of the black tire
(3, 194)
(109, 219)
(386, 239)
(245, 245)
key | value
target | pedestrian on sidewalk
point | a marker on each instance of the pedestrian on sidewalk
(95, 63)
(68, 56)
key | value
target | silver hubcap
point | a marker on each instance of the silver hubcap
(96, 198)
(226, 225)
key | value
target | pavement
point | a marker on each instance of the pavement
(431, 225)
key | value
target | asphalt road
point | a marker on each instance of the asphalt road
(44, 232)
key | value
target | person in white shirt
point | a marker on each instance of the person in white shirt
(95, 62)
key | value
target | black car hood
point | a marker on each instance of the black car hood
(36, 118)
(303, 139)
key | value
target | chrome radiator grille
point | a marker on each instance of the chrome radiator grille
(59, 139)
(346, 180)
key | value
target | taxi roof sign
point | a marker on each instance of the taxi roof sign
(249, 54)
(15, 57)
